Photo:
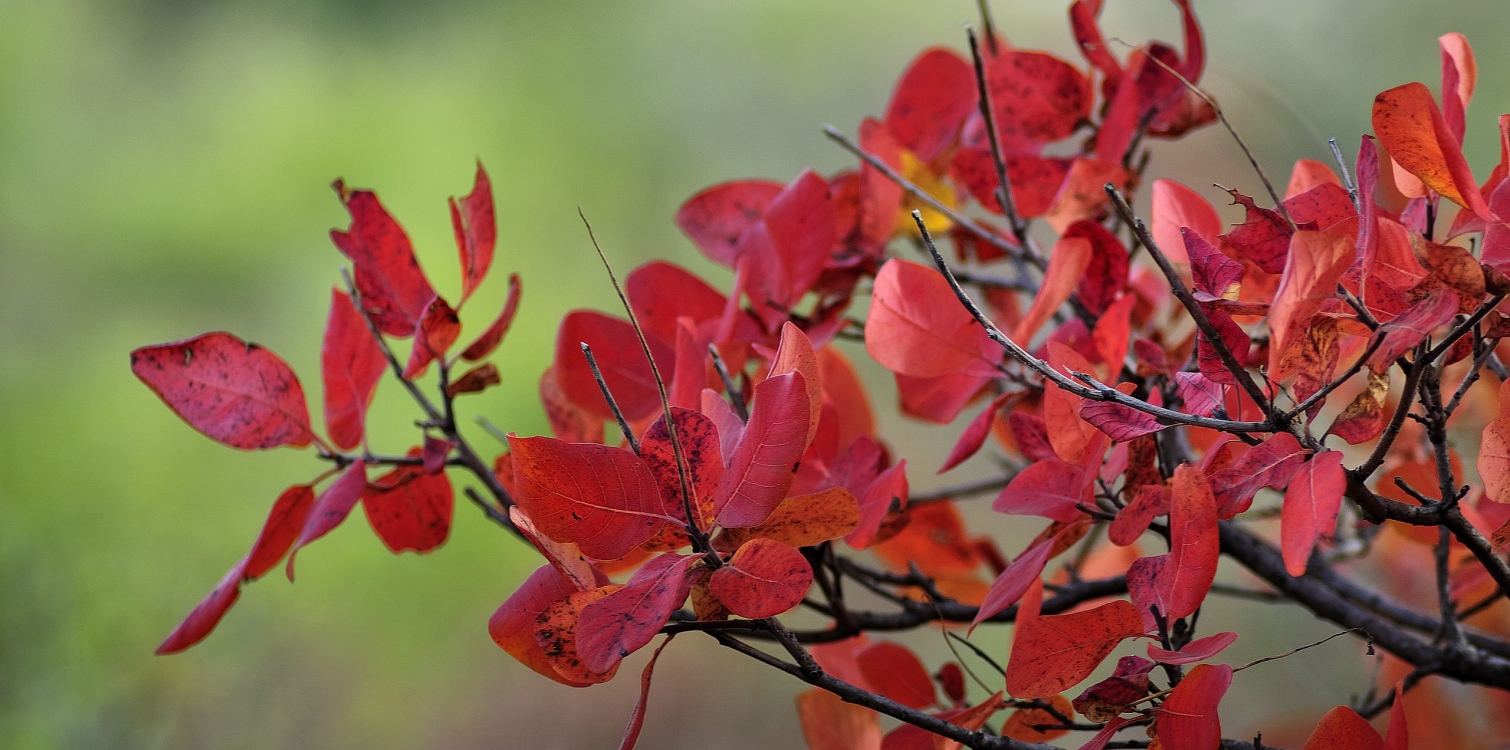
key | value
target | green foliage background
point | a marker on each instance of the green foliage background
(163, 171)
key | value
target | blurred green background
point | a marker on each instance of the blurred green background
(164, 170)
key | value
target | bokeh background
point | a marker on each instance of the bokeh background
(164, 170)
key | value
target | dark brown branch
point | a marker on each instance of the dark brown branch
(613, 404)
(988, 116)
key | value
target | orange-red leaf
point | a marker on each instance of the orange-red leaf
(1023, 724)
(916, 326)
(801, 521)
(894, 671)
(1067, 264)
(1177, 582)
(763, 579)
(794, 353)
(556, 630)
(1051, 653)
(479, 378)
(1310, 509)
(1315, 264)
(1343, 729)
(513, 625)
(932, 99)
(603, 499)
(828, 723)
(619, 624)
(1199, 649)
(1188, 720)
(233, 392)
(1412, 129)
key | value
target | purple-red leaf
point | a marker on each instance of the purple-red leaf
(330, 509)
(637, 716)
(207, 614)
(410, 508)
(234, 392)
(931, 102)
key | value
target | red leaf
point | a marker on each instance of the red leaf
(890, 487)
(1494, 452)
(568, 421)
(1411, 128)
(1068, 433)
(1118, 421)
(1133, 519)
(1343, 729)
(763, 579)
(1325, 205)
(764, 462)
(1105, 275)
(974, 435)
(1068, 262)
(637, 716)
(555, 634)
(1036, 180)
(1310, 509)
(491, 338)
(1187, 720)
(284, 522)
(1049, 488)
(619, 624)
(410, 509)
(351, 364)
(800, 229)
(1268, 465)
(476, 233)
(1213, 273)
(233, 392)
(1013, 582)
(207, 614)
(1199, 649)
(566, 558)
(1413, 326)
(330, 509)
(660, 293)
(941, 399)
(394, 291)
(1232, 335)
(1200, 394)
(892, 670)
(479, 378)
(931, 102)
(438, 330)
(1397, 736)
(1051, 653)
(880, 199)
(1037, 96)
(1263, 238)
(1175, 207)
(619, 356)
(603, 499)
(1177, 582)
(716, 217)
(952, 679)
(916, 326)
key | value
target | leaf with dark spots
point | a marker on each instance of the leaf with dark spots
(715, 218)
(393, 289)
(1049, 488)
(603, 499)
(801, 521)
(1233, 337)
(894, 671)
(1035, 180)
(1105, 276)
(476, 232)
(1455, 268)
(932, 99)
(233, 392)
(1119, 421)
(493, 336)
(1127, 685)
(410, 509)
(1263, 238)
(351, 364)
(1315, 359)
(438, 329)
(1315, 265)
(703, 457)
(555, 634)
(1036, 96)
(330, 509)
(764, 463)
(764, 578)
(1133, 519)
(1051, 653)
(619, 624)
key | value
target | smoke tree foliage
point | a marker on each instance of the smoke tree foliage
(1153, 388)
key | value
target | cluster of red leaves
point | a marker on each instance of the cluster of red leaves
(746, 451)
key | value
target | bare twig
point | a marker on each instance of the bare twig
(613, 405)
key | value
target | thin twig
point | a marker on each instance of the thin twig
(988, 116)
(736, 396)
(613, 405)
